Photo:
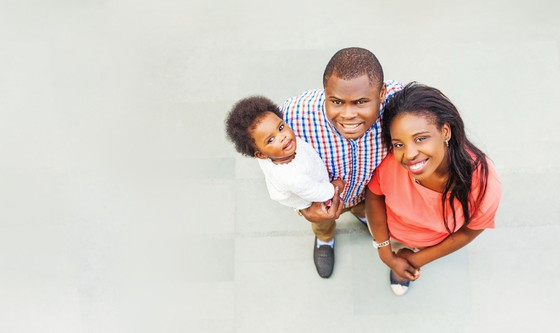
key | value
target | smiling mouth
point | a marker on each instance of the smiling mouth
(350, 126)
(289, 145)
(417, 167)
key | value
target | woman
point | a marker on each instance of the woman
(434, 192)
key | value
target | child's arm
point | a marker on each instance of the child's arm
(311, 190)
(449, 245)
(377, 222)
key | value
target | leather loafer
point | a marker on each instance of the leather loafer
(323, 257)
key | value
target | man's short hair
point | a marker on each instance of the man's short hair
(353, 62)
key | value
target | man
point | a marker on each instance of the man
(342, 122)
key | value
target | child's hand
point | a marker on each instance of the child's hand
(339, 184)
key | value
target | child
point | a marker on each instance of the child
(434, 192)
(295, 174)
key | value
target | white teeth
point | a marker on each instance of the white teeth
(350, 126)
(417, 166)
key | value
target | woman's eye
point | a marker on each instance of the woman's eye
(420, 139)
(397, 145)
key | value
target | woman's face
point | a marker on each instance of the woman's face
(420, 146)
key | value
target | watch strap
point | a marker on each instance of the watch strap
(382, 244)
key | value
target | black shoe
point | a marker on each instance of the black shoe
(323, 257)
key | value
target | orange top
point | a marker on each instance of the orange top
(414, 214)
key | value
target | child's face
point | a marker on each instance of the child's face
(419, 146)
(352, 105)
(273, 138)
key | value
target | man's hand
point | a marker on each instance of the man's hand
(318, 212)
(338, 184)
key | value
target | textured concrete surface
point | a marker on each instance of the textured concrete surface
(124, 209)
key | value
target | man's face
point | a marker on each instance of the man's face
(353, 105)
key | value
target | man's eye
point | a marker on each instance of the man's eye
(337, 102)
(360, 102)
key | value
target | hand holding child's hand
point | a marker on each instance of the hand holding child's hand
(339, 184)
(318, 212)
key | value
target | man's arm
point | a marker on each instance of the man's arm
(318, 212)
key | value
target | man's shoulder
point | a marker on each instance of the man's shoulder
(309, 100)
(393, 86)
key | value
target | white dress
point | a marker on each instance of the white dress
(302, 181)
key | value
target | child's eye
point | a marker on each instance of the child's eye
(281, 127)
(270, 140)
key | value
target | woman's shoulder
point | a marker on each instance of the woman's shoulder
(390, 173)
(388, 164)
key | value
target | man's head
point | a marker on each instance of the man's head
(354, 90)
(353, 62)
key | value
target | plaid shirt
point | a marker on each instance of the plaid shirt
(354, 161)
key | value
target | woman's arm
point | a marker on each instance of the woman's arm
(449, 245)
(377, 222)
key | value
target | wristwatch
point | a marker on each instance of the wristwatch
(378, 245)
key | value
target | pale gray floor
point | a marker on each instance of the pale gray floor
(124, 209)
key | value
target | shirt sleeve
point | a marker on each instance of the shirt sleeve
(314, 191)
(286, 109)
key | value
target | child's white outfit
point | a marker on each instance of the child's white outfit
(301, 181)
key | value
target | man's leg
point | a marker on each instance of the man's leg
(323, 252)
(359, 211)
(323, 248)
(324, 230)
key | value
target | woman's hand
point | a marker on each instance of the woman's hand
(402, 268)
(406, 254)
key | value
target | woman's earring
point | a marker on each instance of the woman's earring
(447, 143)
